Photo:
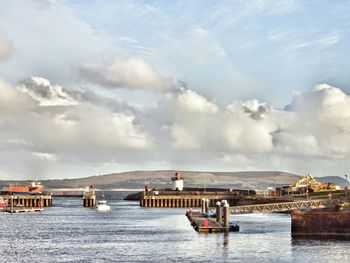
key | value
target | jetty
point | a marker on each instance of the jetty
(179, 196)
(18, 203)
(206, 221)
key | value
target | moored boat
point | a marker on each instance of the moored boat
(33, 187)
(324, 222)
(103, 206)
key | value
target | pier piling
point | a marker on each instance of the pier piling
(226, 217)
(207, 205)
(218, 211)
(11, 203)
(203, 201)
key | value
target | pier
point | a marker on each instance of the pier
(17, 203)
(190, 198)
(29, 200)
(206, 221)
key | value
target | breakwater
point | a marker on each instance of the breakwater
(190, 197)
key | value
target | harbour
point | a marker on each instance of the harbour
(132, 233)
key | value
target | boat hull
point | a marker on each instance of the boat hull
(104, 208)
(329, 222)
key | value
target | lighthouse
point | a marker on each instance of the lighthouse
(177, 182)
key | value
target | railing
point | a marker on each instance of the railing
(280, 207)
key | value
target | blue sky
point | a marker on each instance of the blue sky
(226, 50)
(161, 72)
(270, 48)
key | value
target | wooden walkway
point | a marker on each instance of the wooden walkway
(204, 224)
(279, 207)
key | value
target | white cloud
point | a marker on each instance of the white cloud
(44, 156)
(13, 101)
(41, 90)
(184, 127)
(132, 73)
(66, 126)
(193, 102)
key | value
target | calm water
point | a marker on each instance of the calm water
(68, 232)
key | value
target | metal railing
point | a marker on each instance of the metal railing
(280, 207)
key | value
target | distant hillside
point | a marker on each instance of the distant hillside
(162, 179)
(333, 179)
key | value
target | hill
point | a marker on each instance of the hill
(161, 179)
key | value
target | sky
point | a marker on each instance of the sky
(96, 87)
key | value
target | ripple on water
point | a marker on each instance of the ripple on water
(68, 232)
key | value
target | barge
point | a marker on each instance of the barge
(331, 222)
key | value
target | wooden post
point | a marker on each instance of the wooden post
(218, 211)
(226, 217)
(11, 203)
(207, 205)
(41, 201)
(203, 205)
(223, 202)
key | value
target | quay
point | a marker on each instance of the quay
(28, 200)
(178, 196)
(186, 198)
(18, 203)
(25, 198)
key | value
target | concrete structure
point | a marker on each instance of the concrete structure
(89, 197)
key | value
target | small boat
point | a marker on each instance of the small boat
(102, 206)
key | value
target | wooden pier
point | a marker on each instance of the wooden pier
(29, 200)
(205, 221)
(203, 224)
(178, 199)
(18, 203)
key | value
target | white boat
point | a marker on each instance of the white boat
(102, 206)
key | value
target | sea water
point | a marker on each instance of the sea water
(67, 232)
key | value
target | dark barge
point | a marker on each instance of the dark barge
(331, 222)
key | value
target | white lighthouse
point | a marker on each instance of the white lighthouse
(178, 182)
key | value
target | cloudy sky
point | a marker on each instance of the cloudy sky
(94, 87)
